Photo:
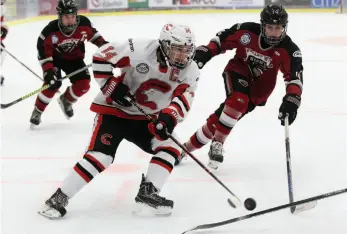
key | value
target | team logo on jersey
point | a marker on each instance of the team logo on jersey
(175, 73)
(257, 62)
(245, 39)
(142, 68)
(106, 139)
(54, 39)
(297, 54)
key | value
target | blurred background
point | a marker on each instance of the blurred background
(21, 9)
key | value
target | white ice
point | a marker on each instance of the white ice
(33, 163)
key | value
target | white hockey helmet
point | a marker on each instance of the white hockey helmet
(177, 42)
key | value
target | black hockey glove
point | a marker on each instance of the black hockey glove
(290, 105)
(4, 32)
(202, 56)
(166, 122)
(52, 77)
(117, 91)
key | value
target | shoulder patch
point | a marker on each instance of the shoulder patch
(297, 54)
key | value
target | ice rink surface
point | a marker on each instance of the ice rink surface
(33, 163)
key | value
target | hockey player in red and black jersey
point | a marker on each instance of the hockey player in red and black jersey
(61, 47)
(4, 31)
(250, 77)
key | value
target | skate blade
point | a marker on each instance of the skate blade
(144, 210)
(213, 164)
(33, 126)
(49, 214)
(62, 108)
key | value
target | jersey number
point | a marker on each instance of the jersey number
(147, 88)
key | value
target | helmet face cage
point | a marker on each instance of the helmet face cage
(3, 2)
(179, 56)
(177, 44)
(67, 7)
(273, 15)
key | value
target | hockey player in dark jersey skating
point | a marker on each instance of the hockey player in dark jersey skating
(61, 47)
(250, 77)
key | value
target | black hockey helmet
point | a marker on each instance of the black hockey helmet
(274, 15)
(3, 2)
(66, 7)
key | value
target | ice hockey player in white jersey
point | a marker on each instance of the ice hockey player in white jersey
(162, 78)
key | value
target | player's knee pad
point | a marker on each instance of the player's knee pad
(81, 87)
(97, 162)
(238, 101)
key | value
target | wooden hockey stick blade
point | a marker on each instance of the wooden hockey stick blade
(263, 212)
(304, 207)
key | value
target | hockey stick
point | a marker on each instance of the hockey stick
(3, 48)
(306, 206)
(4, 106)
(277, 208)
(234, 201)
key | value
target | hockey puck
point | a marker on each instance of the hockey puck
(250, 204)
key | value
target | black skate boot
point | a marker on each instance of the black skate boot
(55, 206)
(35, 118)
(148, 199)
(66, 106)
(2, 79)
(215, 154)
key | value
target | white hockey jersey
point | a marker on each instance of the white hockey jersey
(153, 87)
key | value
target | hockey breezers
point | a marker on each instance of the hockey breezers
(234, 201)
(277, 208)
(305, 206)
(4, 106)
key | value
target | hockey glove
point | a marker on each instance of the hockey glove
(117, 91)
(202, 56)
(290, 105)
(4, 32)
(51, 77)
(166, 122)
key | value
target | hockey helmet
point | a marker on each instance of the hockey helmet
(66, 7)
(273, 15)
(177, 43)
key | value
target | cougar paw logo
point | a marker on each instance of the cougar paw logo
(106, 139)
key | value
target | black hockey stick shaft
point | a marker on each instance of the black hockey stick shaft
(8, 52)
(288, 160)
(4, 106)
(277, 208)
(189, 153)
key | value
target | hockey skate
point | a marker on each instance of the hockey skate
(35, 118)
(55, 206)
(149, 201)
(65, 106)
(215, 154)
(2, 79)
